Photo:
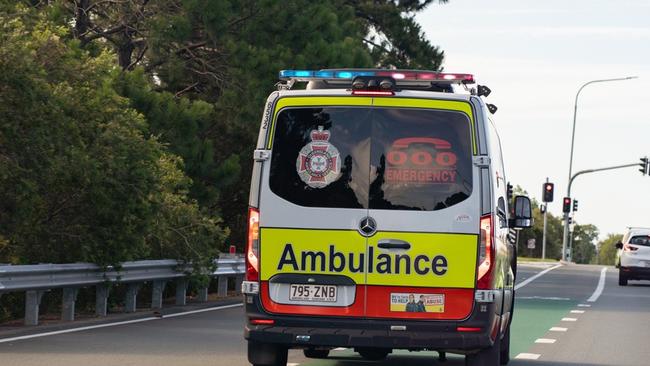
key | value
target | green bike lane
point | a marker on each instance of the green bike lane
(540, 304)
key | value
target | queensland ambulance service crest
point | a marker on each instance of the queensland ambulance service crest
(319, 162)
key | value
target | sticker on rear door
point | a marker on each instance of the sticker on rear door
(417, 303)
(319, 162)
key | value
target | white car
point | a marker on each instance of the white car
(634, 255)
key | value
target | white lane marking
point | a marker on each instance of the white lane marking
(543, 298)
(577, 311)
(600, 287)
(98, 326)
(339, 349)
(292, 364)
(529, 280)
(201, 310)
(545, 340)
(527, 356)
(569, 319)
(584, 305)
(558, 329)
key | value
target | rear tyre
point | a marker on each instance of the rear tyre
(373, 354)
(622, 279)
(505, 348)
(486, 357)
(266, 354)
(316, 353)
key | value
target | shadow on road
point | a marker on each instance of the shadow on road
(426, 359)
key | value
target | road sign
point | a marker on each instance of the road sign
(531, 243)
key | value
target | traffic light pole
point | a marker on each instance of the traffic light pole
(544, 235)
(565, 237)
(573, 136)
(544, 230)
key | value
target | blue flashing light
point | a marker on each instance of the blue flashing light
(296, 73)
(324, 74)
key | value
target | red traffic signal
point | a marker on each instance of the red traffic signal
(566, 205)
(547, 192)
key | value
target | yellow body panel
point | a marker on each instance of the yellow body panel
(434, 260)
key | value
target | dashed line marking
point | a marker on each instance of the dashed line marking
(339, 349)
(527, 356)
(292, 364)
(558, 329)
(569, 319)
(584, 305)
(600, 287)
(577, 311)
(545, 340)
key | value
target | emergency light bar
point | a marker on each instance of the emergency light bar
(398, 75)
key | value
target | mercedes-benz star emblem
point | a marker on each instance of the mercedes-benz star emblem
(367, 226)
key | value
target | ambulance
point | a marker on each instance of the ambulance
(379, 219)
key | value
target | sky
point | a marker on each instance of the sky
(535, 55)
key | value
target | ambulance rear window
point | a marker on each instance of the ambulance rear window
(377, 158)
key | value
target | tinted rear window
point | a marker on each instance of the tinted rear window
(640, 240)
(378, 158)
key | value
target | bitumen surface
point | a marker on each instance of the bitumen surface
(611, 329)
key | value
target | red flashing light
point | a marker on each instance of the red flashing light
(373, 93)
(252, 247)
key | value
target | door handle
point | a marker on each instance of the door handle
(393, 244)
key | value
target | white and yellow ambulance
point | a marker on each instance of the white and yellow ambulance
(379, 219)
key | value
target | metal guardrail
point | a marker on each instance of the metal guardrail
(37, 279)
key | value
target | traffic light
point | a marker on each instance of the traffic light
(509, 192)
(566, 205)
(644, 166)
(575, 205)
(570, 220)
(547, 192)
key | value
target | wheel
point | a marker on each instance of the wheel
(266, 354)
(316, 353)
(486, 357)
(373, 354)
(622, 279)
(505, 347)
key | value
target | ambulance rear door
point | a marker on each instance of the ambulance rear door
(425, 208)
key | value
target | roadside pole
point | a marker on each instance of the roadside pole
(544, 232)
(565, 236)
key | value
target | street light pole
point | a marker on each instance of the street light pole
(565, 237)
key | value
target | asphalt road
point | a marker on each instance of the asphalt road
(611, 330)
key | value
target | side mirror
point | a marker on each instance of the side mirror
(523, 213)
(619, 245)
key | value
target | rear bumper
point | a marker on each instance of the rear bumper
(303, 337)
(636, 273)
(310, 331)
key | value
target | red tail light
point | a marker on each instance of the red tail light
(629, 248)
(486, 254)
(468, 329)
(262, 321)
(253, 245)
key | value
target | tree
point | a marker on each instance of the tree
(81, 177)
(227, 54)
(607, 249)
(584, 243)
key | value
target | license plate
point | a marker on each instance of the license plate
(322, 293)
